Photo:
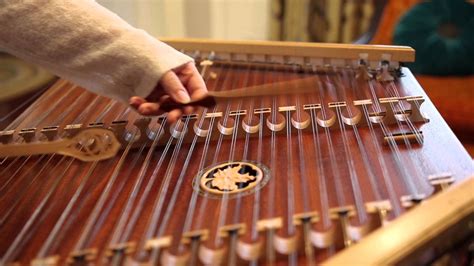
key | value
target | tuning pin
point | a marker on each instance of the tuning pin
(207, 63)
(363, 68)
(196, 55)
(363, 73)
(384, 74)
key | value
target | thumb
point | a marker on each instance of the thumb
(174, 87)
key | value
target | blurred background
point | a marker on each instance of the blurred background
(291, 20)
(441, 31)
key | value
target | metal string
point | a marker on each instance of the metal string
(413, 157)
(418, 135)
(270, 252)
(53, 235)
(238, 199)
(354, 180)
(256, 199)
(393, 145)
(290, 173)
(177, 188)
(32, 107)
(385, 173)
(92, 219)
(61, 117)
(301, 156)
(332, 156)
(256, 205)
(26, 233)
(22, 193)
(120, 233)
(148, 189)
(159, 203)
(359, 201)
(394, 92)
(10, 177)
(19, 197)
(326, 220)
(321, 175)
(60, 221)
(224, 201)
(202, 208)
(365, 157)
(157, 212)
(304, 179)
(23, 104)
(22, 117)
(63, 224)
(194, 197)
(192, 203)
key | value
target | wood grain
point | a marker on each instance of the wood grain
(329, 175)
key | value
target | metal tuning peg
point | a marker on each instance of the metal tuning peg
(384, 73)
(363, 68)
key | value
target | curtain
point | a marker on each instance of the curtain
(320, 20)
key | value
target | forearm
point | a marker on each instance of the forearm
(87, 44)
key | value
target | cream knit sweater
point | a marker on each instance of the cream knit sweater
(85, 43)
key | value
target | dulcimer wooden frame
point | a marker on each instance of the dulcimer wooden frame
(400, 242)
(297, 49)
(428, 229)
(445, 217)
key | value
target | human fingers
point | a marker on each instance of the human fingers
(192, 80)
(196, 86)
(136, 101)
(153, 108)
(149, 108)
(174, 115)
(173, 86)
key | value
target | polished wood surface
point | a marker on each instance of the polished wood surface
(297, 49)
(441, 220)
(324, 187)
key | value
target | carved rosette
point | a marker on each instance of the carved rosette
(231, 178)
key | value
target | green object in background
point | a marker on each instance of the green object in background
(442, 33)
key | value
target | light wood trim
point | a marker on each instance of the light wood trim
(305, 49)
(417, 229)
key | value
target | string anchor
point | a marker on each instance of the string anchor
(384, 74)
(90, 144)
(363, 68)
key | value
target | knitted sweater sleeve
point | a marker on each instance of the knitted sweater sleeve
(87, 44)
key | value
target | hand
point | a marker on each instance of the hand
(182, 84)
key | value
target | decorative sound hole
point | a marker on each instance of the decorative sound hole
(232, 178)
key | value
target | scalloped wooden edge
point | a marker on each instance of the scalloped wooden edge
(422, 227)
